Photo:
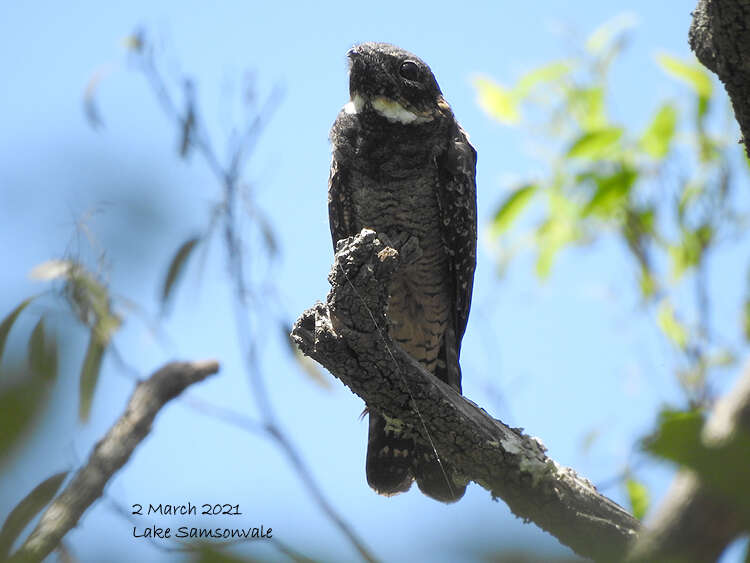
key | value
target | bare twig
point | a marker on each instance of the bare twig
(110, 454)
(343, 337)
(228, 177)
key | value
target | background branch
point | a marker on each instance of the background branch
(696, 522)
(110, 454)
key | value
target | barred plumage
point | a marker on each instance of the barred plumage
(403, 167)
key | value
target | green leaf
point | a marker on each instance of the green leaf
(689, 251)
(721, 466)
(670, 326)
(19, 405)
(595, 144)
(560, 229)
(8, 321)
(511, 208)
(92, 365)
(42, 352)
(586, 105)
(658, 136)
(611, 192)
(551, 72)
(176, 267)
(638, 497)
(497, 101)
(25, 511)
(693, 74)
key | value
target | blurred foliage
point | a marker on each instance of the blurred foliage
(667, 192)
(25, 511)
(90, 301)
(638, 497)
(721, 464)
(24, 389)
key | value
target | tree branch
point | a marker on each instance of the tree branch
(110, 454)
(348, 336)
(696, 522)
(718, 36)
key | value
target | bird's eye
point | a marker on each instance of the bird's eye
(409, 70)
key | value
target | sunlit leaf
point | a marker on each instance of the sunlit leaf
(595, 144)
(603, 36)
(638, 497)
(92, 365)
(558, 230)
(176, 266)
(670, 326)
(658, 136)
(551, 72)
(511, 208)
(8, 321)
(25, 511)
(586, 105)
(692, 73)
(647, 283)
(611, 192)
(51, 270)
(497, 101)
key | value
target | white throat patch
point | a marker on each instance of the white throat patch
(355, 105)
(392, 111)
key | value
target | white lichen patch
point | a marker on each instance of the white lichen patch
(393, 425)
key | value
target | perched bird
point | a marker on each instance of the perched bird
(403, 167)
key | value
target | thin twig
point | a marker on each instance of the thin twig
(110, 454)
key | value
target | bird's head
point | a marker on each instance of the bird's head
(394, 83)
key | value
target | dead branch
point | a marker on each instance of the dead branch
(348, 336)
(110, 454)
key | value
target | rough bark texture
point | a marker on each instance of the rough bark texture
(695, 523)
(348, 336)
(720, 38)
(110, 454)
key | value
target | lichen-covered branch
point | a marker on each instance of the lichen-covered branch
(695, 522)
(719, 38)
(348, 335)
(110, 454)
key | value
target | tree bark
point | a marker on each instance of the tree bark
(348, 335)
(110, 454)
(720, 38)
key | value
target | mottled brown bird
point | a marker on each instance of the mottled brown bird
(403, 167)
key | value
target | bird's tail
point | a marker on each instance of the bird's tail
(436, 479)
(390, 457)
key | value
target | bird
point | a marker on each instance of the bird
(403, 167)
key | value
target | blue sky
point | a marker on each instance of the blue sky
(563, 359)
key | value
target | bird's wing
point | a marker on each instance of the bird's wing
(457, 197)
(340, 214)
